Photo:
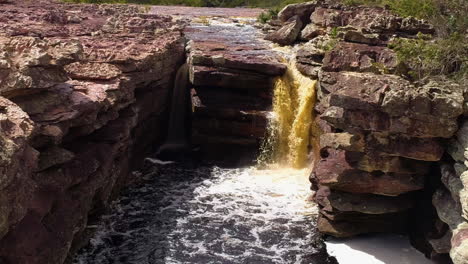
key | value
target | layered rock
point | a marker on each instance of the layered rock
(382, 133)
(232, 71)
(83, 96)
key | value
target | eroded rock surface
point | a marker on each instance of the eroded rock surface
(79, 87)
(382, 133)
(232, 70)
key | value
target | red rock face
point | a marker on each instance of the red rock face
(232, 70)
(79, 87)
(381, 131)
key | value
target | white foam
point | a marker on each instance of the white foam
(375, 249)
(160, 162)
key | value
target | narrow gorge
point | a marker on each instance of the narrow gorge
(171, 134)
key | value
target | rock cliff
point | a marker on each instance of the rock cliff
(83, 97)
(382, 135)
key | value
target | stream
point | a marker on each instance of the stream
(184, 214)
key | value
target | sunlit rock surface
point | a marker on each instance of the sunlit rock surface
(83, 97)
(381, 132)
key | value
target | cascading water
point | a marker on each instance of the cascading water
(291, 132)
(205, 214)
(177, 143)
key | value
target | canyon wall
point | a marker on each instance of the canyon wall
(232, 70)
(382, 135)
(84, 92)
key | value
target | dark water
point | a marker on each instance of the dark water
(180, 214)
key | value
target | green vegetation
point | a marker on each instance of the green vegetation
(264, 17)
(444, 54)
(441, 56)
(209, 3)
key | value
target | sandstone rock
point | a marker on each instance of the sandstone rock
(393, 95)
(92, 71)
(344, 141)
(54, 156)
(363, 203)
(451, 181)
(383, 144)
(459, 251)
(71, 73)
(363, 38)
(229, 78)
(311, 31)
(464, 194)
(234, 56)
(337, 173)
(442, 245)
(360, 57)
(310, 54)
(302, 10)
(364, 224)
(449, 210)
(376, 20)
(309, 59)
(288, 33)
(17, 159)
(357, 121)
(325, 17)
(426, 149)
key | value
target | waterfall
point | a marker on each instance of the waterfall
(178, 135)
(292, 132)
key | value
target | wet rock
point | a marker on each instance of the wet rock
(198, 214)
(232, 70)
(288, 33)
(362, 203)
(229, 78)
(361, 224)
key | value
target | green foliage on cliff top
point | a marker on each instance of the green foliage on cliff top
(207, 3)
(444, 54)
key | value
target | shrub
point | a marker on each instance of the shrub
(423, 57)
(445, 53)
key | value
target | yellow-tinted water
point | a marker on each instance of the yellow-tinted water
(292, 132)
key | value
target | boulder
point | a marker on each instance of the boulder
(311, 31)
(301, 10)
(459, 251)
(360, 58)
(288, 33)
